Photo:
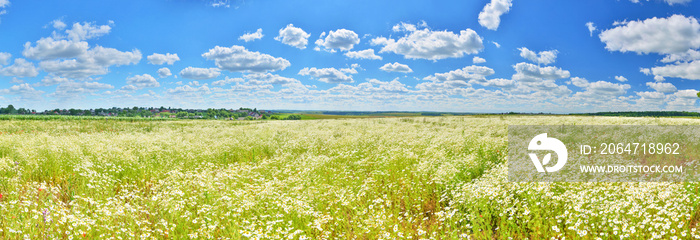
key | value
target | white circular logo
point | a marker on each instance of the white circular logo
(542, 142)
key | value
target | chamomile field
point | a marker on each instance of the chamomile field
(372, 178)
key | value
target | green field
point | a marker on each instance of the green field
(313, 116)
(372, 178)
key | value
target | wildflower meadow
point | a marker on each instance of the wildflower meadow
(371, 178)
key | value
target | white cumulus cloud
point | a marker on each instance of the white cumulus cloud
(49, 49)
(24, 90)
(73, 89)
(51, 80)
(490, 16)
(199, 73)
(372, 87)
(58, 24)
(67, 55)
(685, 70)
(500, 82)
(96, 61)
(269, 78)
(252, 36)
(683, 99)
(328, 75)
(607, 88)
(396, 67)
(342, 39)
(662, 87)
(238, 59)
(186, 90)
(86, 31)
(20, 68)
(579, 82)
(687, 56)
(226, 81)
(432, 45)
(675, 34)
(599, 88)
(651, 95)
(68, 45)
(363, 54)
(464, 76)
(477, 60)
(143, 81)
(543, 57)
(293, 36)
(164, 72)
(527, 72)
(160, 59)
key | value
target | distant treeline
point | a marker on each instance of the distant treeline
(644, 114)
(379, 113)
(151, 112)
(251, 114)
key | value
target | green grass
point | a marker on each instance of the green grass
(312, 116)
(306, 116)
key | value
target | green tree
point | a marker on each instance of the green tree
(699, 94)
(211, 113)
(182, 114)
(293, 117)
(223, 113)
(11, 109)
(146, 113)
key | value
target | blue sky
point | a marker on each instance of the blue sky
(462, 56)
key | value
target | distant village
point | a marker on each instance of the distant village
(162, 112)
